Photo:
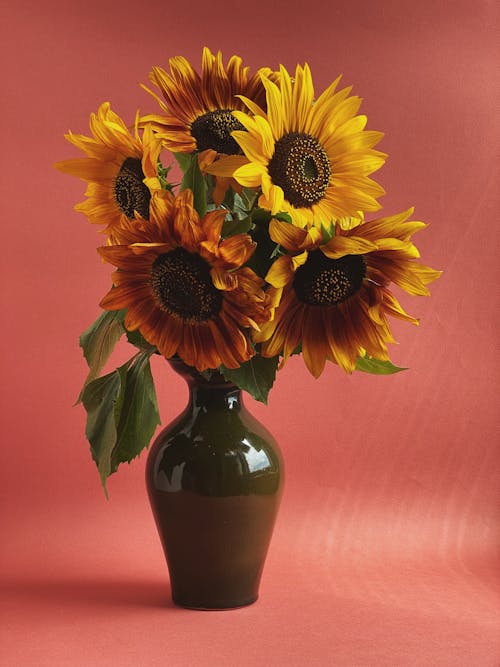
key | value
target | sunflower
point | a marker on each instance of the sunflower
(333, 294)
(185, 289)
(312, 158)
(121, 170)
(198, 109)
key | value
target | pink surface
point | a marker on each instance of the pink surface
(386, 548)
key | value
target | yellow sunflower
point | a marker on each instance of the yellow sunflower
(333, 295)
(312, 158)
(185, 289)
(121, 170)
(197, 110)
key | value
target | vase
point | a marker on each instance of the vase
(214, 478)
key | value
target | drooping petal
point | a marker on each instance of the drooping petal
(186, 289)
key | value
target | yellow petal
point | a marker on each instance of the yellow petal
(250, 144)
(281, 272)
(254, 108)
(339, 246)
(274, 200)
(250, 174)
(227, 165)
(299, 260)
(274, 113)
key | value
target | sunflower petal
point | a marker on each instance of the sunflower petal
(287, 235)
(223, 280)
(314, 341)
(339, 246)
(281, 272)
(227, 165)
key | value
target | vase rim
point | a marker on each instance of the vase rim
(211, 378)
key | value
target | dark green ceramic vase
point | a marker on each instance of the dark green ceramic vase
(214, 479)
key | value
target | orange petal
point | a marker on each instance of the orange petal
(206, 158)
(314, 341)
(212, 225)
(223, 280)
(236, 250)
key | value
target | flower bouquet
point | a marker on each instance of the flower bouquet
(263, 249)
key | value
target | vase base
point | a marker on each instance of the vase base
(216, 606)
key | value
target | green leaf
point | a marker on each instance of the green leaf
(99, 399)
(98, 342)
(233, 227)
(283, 216)
(376, 366)
(255, 376)
(240, 207)
(193, 179)
(139, 414)
(138, 340)
(122, 414)
(183, 160)
(244, 203)
(249, 196)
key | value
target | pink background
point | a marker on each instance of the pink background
(385, 552)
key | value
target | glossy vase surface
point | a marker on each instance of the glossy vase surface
(214, 478)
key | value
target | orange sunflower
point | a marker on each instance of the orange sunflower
(334, 296)
(121, 170)
(185, 289)
(310, 157)
(198, 109)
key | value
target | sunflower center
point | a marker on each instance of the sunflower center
(301, 168)
(213, 130)
(182, 285)
(322, 281)
(130, 192)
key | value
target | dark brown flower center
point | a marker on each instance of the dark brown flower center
(131, 194)
(182, 285)
(301, 168)
(213, 130)
(322, 281)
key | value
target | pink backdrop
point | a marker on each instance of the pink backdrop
(386, 546)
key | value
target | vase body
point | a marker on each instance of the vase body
(214, 479)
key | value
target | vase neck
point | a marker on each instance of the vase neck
(214, 397)
(208, 391)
